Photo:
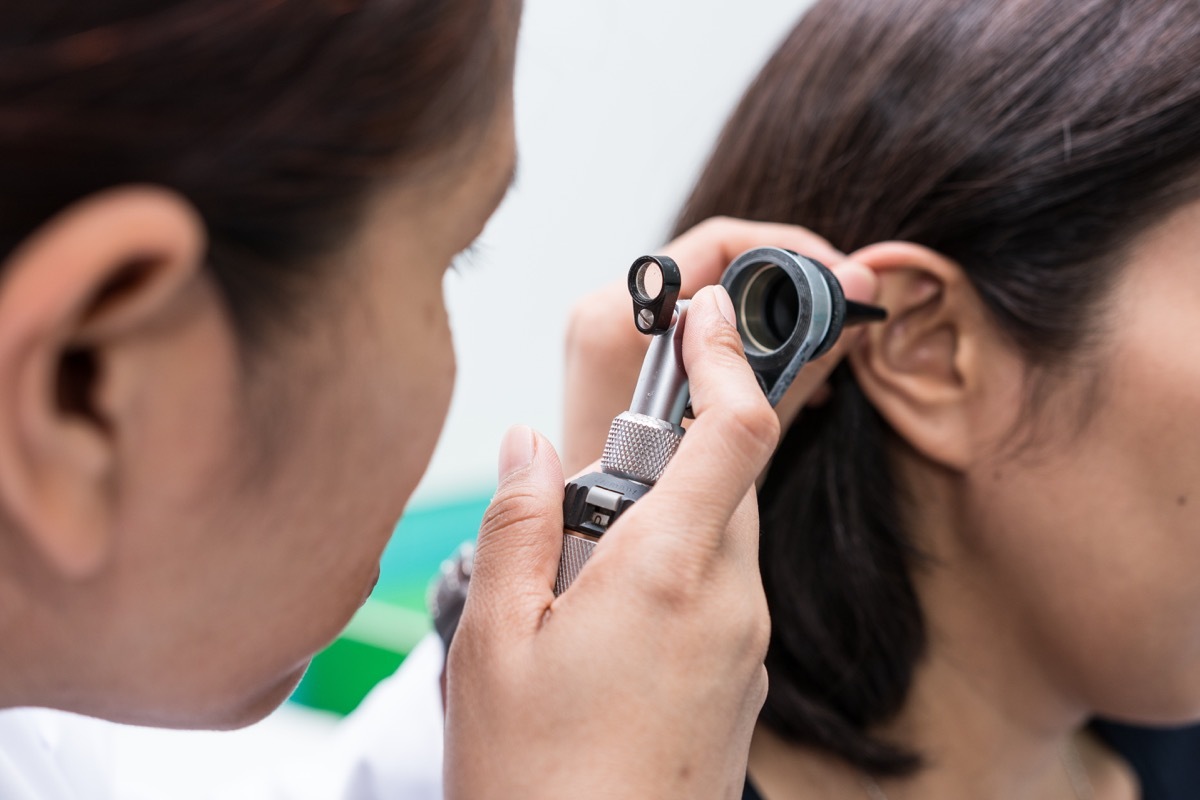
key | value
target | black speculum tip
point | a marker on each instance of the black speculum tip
(862, 313)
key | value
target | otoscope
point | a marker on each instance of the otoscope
(790, 309)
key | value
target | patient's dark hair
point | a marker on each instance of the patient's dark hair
(273, 117)
(1030, 141)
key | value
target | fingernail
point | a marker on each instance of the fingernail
(725, 304)
(516, 451)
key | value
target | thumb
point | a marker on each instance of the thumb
(520, 538)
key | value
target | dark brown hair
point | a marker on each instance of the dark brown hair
(274, 118)
(1030, 141)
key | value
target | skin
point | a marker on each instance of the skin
(185, 519)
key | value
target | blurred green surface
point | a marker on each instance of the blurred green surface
(392, 622)
(342, 674)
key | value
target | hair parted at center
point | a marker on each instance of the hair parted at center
(1031, 141)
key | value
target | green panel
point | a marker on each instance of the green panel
(423, 539)
(342, 674)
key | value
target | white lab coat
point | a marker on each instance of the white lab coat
(390, 747)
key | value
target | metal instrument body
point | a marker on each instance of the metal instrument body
(642, 440)
(790, 309)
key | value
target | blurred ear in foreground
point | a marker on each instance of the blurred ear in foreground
(79, 300)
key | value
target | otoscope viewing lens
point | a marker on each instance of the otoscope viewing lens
(650, 280)
(770, 308)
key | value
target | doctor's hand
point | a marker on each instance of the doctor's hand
(604, 351)
(645, 678)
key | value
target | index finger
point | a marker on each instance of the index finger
(705, 251)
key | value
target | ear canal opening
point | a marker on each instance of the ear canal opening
(75, 386)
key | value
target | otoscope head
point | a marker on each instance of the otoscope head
(790, 310)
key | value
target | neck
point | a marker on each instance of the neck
(33, 668)
(984, 711)
(973, 735)
(18, 675)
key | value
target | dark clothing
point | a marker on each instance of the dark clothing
(1167, 761)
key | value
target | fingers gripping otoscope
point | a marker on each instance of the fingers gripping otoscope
(790, 310)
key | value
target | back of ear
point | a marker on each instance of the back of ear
(112, 266)
(928, 368)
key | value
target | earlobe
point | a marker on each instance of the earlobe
(70, 295)
(918, 368)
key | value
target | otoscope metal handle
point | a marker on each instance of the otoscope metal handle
(640, 444)
(577, 549)
(640, 447)
(636, 453)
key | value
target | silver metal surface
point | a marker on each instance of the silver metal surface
(640, 442)
(640, 447)
(577, 549)
(662, 387)
(758, 295)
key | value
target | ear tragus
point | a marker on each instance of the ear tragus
(77, 375)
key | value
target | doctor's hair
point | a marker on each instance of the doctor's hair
(274, 118)
(1031, 142)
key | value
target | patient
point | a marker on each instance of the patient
(988, 531)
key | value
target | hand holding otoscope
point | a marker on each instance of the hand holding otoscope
(645, 678)
(790, 309)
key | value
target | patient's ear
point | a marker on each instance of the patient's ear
(76, 299)
(929, 368)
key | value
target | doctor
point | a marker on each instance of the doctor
(225, 361)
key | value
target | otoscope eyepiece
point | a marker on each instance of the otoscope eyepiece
(654, 283)
(790, 310)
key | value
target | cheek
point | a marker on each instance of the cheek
(1097, 537)
(269, 558)
(366, 450)
(403, 369)
(414, 396)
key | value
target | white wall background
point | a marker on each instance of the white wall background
(618, 105)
